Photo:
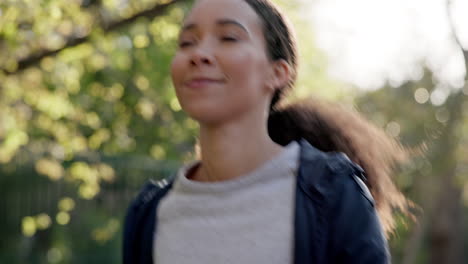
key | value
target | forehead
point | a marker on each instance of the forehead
(207, 12)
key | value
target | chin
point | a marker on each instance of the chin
(204, 115)
(212, 113)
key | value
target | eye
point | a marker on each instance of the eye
(186, 41)
(184, 44)
(229, 38)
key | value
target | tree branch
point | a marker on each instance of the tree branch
(33, 59)
(457, 39)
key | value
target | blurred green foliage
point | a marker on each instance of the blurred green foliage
(87, 114)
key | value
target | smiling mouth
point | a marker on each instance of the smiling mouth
(199, 83)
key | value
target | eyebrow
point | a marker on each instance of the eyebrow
(221, 22)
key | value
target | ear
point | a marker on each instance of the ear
(280, 75)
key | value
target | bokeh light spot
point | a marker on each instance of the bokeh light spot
(43, 221)
(442, 115)
(158, 152)
(66, 204)
(393, 129)
(175, 106)
(54, 255)
(50, 168)
(421, 95)
(62, 218)
(28, 226)
(141, 41)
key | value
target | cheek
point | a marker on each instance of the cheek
(177, 69)
(248, 71)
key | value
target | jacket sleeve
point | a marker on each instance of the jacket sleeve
(128, 233)
(357, 232)
(131, 226)
(139, 226)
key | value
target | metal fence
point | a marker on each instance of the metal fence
(25, 193)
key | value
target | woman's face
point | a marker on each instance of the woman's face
(221, 71)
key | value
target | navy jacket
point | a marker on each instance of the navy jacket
(335, 219)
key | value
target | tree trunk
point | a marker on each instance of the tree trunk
(446, 232)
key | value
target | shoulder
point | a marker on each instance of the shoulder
(351, 178)
(337, 186)
(150, 191)
(147, 199)
(331, 176)
(140, 219)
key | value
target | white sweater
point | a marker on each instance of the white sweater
(245, 220)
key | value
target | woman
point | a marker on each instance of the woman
(268, 188)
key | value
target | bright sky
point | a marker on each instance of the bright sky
(369, 42)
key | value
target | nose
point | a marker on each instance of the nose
(200, 59)
(202, 55)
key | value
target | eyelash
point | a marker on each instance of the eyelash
(229, 39)
(184, 44)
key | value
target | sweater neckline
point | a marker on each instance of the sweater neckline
(280, 165)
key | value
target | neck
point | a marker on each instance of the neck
(231, 150)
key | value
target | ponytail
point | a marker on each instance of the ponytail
(330, 127)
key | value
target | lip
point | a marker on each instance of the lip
(201, 82)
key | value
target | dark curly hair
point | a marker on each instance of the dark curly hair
(330, 127)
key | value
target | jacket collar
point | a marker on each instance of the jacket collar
(314, 170)
(317, 170)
